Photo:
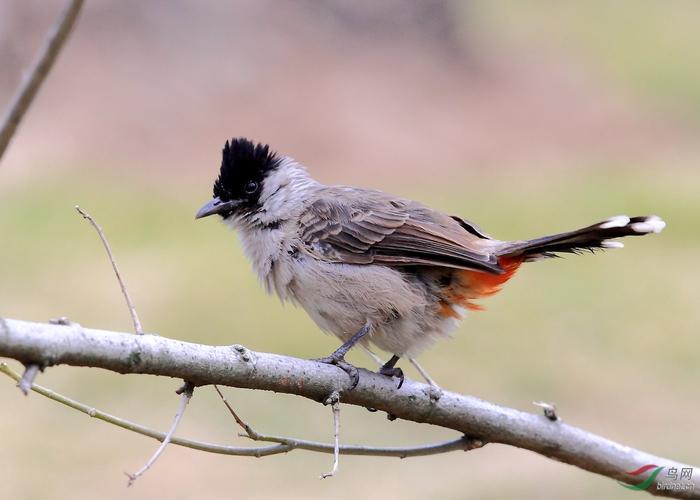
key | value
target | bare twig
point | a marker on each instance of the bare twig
(47, 344)
(334, 401)
(30, 372)
(54, 42)
(132, 310)
(247, 428)
(287, 444)
(377, 360)
(424, 373)
(185, 396)
(283, 444)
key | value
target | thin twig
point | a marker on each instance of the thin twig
(132, 310)
(28, 377)
(374, 357)
(54, 42)
(185, 396)
(334, 401)
(423, 373)
(247, 428)
(283, 444)
(464, 443)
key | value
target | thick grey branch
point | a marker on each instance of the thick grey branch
(55, 39)
(236, 366)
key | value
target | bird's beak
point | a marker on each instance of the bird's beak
(216, 206)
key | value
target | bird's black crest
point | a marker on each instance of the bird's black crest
(244, 163)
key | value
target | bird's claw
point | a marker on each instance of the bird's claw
(393, 372)
(340, 362)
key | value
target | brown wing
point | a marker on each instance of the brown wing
(364, 227)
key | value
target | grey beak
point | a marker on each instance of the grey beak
(216, 206)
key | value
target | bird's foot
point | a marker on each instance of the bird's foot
(338, 360)
(392, 371)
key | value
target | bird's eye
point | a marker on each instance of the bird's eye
(251, 187)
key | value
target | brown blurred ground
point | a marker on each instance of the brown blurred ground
(527, 118)
(359, 89)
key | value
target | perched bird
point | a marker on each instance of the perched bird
(369, 266)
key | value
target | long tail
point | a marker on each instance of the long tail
(468, 285)
(600, 235)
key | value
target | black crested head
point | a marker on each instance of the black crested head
(244, 166)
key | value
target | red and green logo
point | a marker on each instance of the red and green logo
(648, 481)
(673, 479)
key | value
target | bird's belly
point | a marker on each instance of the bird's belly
(340, 298)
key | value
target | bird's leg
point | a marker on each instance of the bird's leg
(337, 357)
(390, 370)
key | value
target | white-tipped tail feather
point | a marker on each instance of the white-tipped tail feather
(612, 244)
(617, 221)
(601, 235)
(652, 224)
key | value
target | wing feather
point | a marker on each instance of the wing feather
(367, 227)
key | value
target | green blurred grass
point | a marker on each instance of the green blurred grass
(646, 46)
(611, 338)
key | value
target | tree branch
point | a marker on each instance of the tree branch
(55, 39)
(236, 366)
(285, 444)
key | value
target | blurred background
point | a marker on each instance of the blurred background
(528, 118)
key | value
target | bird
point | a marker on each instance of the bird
(369, 267)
